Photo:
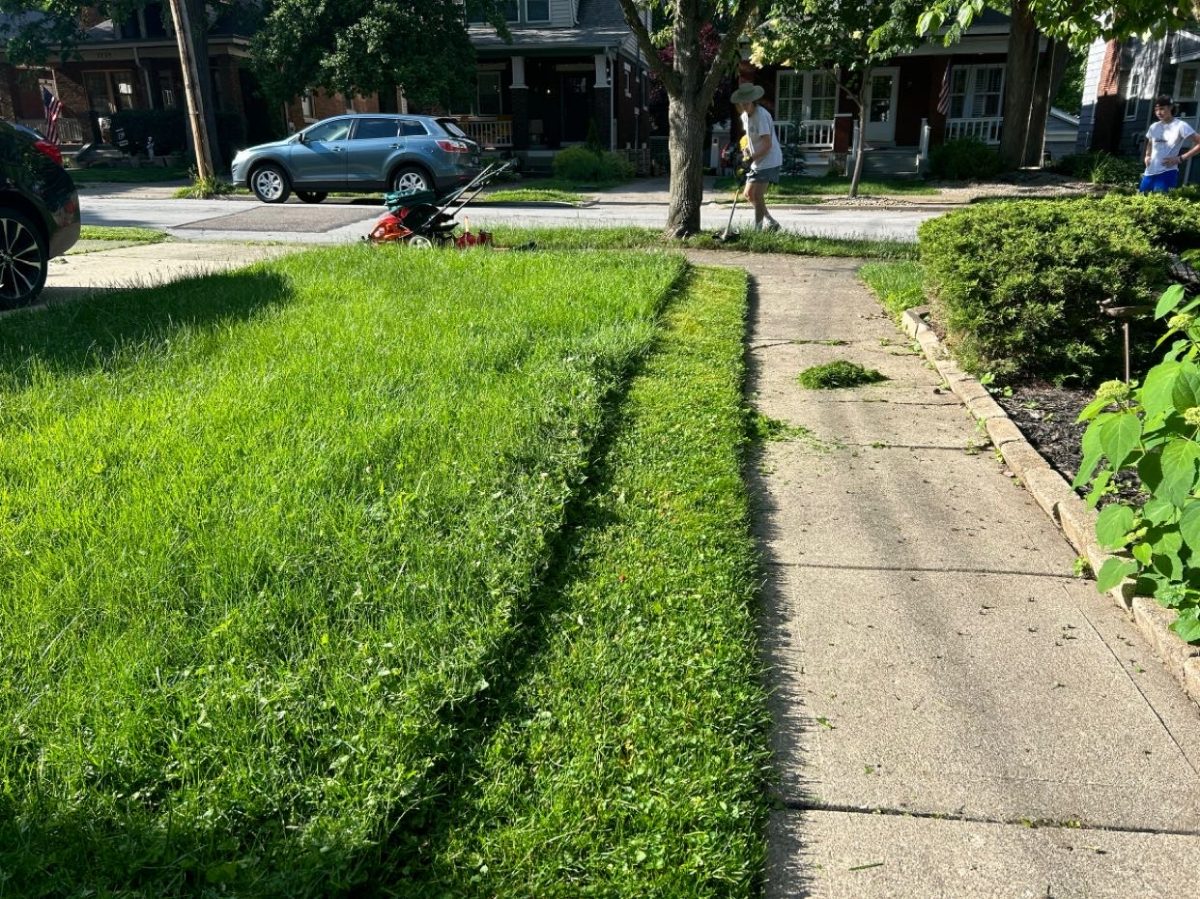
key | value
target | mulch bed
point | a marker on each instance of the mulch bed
(1046, 416)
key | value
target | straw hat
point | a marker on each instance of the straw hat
(746, 93)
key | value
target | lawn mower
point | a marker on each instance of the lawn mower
(415, 218)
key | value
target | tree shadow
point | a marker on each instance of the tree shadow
(95, 329)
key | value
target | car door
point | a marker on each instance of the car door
(318, 159)
(373, 142)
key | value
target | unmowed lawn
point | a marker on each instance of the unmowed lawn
(289, 557)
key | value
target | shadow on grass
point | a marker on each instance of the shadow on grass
(97, 328)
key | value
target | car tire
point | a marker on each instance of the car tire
(24, 259)
(270, 184)
(411, 178)
(311, 196)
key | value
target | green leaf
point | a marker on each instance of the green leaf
(1113, 526)
(1094, 408)
(1120, 436)
(1178, 462)
(1189, 526)
(1187, 624)
(1169, 565)
(1156, 394)
(1169, 300)
(1092, 452)
(1099, 488)
(1185, 393)
(1143, 553)
(1158, 511)
(1113, 571)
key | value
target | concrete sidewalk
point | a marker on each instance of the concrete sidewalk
(955, 714)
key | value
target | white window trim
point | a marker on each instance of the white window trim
(1132, 95)
(628, 70)
(972, 88)
(805, 98)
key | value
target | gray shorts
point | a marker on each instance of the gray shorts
(763, 176)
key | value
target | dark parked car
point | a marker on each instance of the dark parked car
(360, 153)
(39, 216)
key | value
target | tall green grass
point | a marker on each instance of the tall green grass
(897, 284)
(263, 539)
(627, 757)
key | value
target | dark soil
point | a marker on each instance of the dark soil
(1046, 416)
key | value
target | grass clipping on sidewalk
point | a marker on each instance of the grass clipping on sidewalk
(276, 543)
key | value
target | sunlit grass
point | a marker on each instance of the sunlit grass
(897, 284)
(267, 538)
(125, 235)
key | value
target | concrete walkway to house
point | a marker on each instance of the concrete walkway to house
(955, 714)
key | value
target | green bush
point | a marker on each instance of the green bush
(1169, 220)
(1099, 167)
(965, 159)
(582, 164)
(1017, 285)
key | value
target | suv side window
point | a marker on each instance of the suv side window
(412, 129)
(338, 129)
(374, 129)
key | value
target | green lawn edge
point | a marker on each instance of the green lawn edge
(630, 757)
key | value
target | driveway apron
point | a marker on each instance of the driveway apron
(955, 713)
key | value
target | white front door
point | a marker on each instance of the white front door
(882, 97)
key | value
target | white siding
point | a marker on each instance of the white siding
(562, 13)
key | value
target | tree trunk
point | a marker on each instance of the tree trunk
(1049, 79)
(1019, 83)
(686, 117)
(859, 156)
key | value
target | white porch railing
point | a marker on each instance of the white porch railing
(70, 131)
(488, 133)
(986, 130)
(814, 133)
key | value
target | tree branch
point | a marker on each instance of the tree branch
(728, 48)
(665, 73)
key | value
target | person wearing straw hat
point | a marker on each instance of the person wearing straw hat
(765, 157)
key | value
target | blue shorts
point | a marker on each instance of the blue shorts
(1160, 183)
(763, 176)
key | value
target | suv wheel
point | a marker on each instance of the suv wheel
(270, 184)
(24, 260)
(410, 178)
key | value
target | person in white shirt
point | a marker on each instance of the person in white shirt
(1165, 142)
(764, 156)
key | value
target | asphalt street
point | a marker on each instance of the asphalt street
(345, 221)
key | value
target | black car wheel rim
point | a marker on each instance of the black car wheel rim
(21, 260)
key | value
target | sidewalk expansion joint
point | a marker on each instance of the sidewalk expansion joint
(802, 805)
(903, 569)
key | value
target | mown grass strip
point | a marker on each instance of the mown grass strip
(628, 238)
(535, 195)
(627, 757)
(262, 538)
(125, 235)
(805, 186)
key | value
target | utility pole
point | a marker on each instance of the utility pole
(191, 88)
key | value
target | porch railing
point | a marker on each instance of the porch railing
(70, 131)
(813, 133)
(489, 133)
(986, 130)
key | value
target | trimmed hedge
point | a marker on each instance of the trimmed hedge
(583, 164)
(1100, 167)
(1017, 285)
(965, 159)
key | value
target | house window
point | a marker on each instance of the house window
(109, 91)
(514, 11)
(628, 79)
(1187, 91)
(1133, 94)
(306, 105)
(166, 89)
(488, 97)
(537, 10)
(806, 96)
(976, 91)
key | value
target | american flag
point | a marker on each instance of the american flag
(53, 111)
(943, 104)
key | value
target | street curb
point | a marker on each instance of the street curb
(1060, 501)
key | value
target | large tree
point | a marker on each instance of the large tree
(690, 83)
(846, 39)
(368, 46)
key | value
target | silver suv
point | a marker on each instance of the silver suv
(365, 152)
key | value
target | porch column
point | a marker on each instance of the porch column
(604, 101)
(519, 92)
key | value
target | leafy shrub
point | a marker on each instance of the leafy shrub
(582, 164)
(839, 373)
(1153, 430)
(1017, 285)
(1099, 167)
(965, 159)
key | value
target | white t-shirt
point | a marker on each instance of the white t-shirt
(757, 127)
(1166, 139)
